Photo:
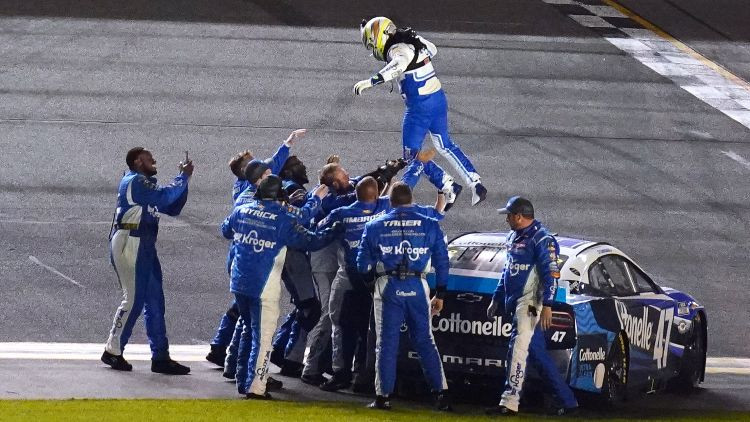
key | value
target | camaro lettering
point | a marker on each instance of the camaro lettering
(454, 324)
(460, 360)
(252, 239)
(586, 355)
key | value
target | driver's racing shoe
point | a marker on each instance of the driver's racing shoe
(169, 367)
(381, 402)
(117, 362)
(478, 192)
(451, 189)
(500, 410)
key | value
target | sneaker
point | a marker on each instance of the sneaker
(451, 189)
(316, 380)
(228, 375)
(253, 396)
(217, 355)
(563, 411)
(117, 362)
(381, 402)
(291, 369)
(272, 384)
(363, 388)
(500, 410)
(169, 367)
(478, 193)
(443, 402)
(335, 384)
(277, 357)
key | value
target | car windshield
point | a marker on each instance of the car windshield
(477, 258)
(484, 258)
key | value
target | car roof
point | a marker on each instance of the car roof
(580, 252)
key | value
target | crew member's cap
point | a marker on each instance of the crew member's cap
(254, 170)
(517, 205)
(270, 188)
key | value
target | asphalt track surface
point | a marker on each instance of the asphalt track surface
(604, 147)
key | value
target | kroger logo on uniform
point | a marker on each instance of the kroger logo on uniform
(404, 248)
(252, 239)
(515, 268)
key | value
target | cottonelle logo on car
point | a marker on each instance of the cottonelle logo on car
(639, 329)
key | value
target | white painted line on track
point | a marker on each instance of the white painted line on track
(738, 158)
(197, 353)
(35, 260)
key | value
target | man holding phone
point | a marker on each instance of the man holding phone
(133, 255)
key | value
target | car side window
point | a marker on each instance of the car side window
(600, 281)
(642, 282)
(620, 274)
(609, 276)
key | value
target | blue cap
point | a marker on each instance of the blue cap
(517, 205)
(254, 170)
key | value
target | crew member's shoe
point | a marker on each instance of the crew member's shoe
(217, 355)
(291, 369)
(228, 375)
(478, 193)
(443, 402)
(363, 388)
(451, 189)
(500, 410)
(253, 396)
(117, 362)
(277, 357)
(381, 402)
(169, 367)
(563, 411)
(272, 384)
(336, 384)
(316, 380)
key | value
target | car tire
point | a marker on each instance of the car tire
(614, 388)
(693, 360)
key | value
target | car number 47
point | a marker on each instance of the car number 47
(558, 336)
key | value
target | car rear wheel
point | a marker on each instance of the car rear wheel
(693, 359)
(615, 384)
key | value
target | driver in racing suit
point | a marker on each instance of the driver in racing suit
(528, 283)
(400, 247)
(409, 58)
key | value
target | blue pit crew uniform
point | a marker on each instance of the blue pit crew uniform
(133, 255)
(290, 340)
(302, 215)
(401, 246)
(528, 282)
(229, 320)
(261, 231)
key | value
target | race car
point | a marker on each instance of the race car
(615, 332)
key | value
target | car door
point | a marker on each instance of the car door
(643, 313)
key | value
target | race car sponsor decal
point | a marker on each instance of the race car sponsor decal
(641, 333)
(455, 324)
(587, 365)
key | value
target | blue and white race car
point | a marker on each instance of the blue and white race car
(614, 330)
